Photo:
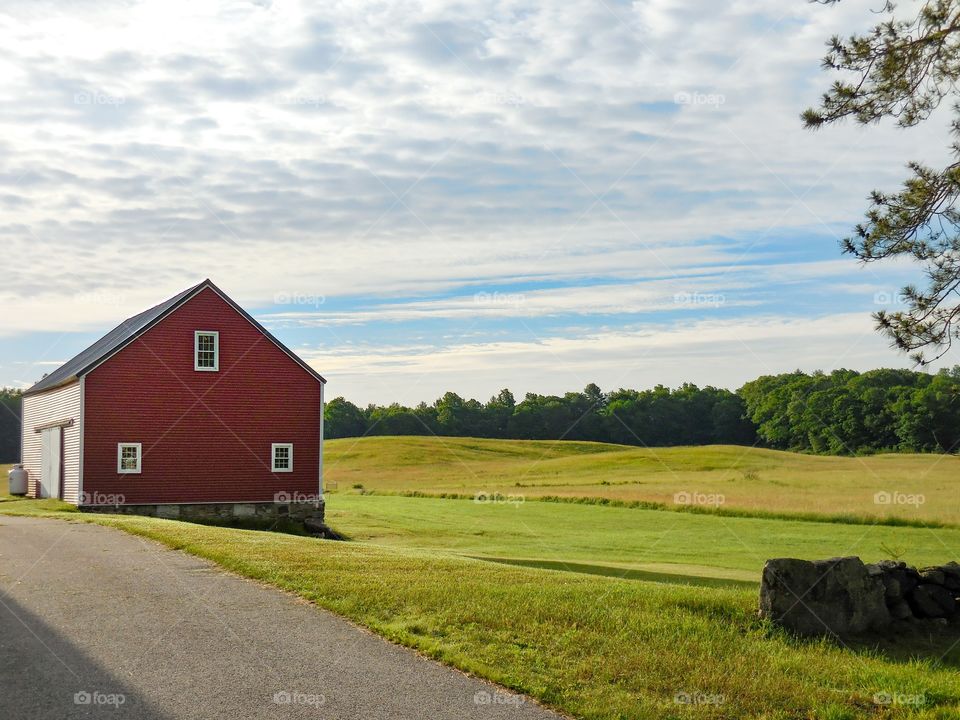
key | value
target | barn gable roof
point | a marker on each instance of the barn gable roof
(132, 328)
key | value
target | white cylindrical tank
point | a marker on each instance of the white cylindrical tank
(17, 479)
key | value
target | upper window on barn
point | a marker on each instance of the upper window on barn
(128, 458)
(206, 350)
(281, 457)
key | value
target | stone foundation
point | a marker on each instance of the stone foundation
(310, 513)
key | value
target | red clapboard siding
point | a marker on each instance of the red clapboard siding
(206, 435)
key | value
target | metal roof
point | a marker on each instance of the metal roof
(133, 327)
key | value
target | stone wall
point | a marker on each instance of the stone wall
(845, 596)
(310, 513)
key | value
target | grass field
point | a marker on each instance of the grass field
(594, 647)
(746, 478)
(605, 612)
(708, 546)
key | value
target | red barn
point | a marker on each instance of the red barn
(189, 409)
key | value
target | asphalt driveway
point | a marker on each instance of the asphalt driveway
(95, 623)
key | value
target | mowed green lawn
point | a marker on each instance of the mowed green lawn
(573, 536)
(920, 487)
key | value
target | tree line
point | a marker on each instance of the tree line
(841, 413)
(9, 425)
(685, 416)
(847, 413)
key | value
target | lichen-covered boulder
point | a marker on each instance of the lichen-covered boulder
(838, 596)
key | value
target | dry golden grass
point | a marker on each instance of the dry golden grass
(746, 478)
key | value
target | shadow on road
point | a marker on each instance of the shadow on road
(46, 676)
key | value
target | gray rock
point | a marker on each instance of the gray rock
(891, 586)
(951, 576)
(932, 576)
(889, 573)
(900, 610)
(889, 565)
(838, 596)
(908, 578)
(314, 525)
(952, 584)
(932, 601)
(952, 568)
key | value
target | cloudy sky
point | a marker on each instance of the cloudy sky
(422, 196)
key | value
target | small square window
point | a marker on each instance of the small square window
(281, 455)
(128, 458)
(206, 350)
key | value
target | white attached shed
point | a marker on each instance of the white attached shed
(52, 432)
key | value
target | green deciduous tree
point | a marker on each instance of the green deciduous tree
(341, 418)
(930, 416)
(9, 425)
(498, 410)
(847, 412)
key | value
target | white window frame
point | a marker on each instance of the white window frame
(273, 457)
(216, 350)
(120, 448)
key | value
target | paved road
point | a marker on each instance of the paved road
(95, 623)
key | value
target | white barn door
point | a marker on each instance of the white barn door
(50, 469)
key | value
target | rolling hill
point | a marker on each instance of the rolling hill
(916, 488)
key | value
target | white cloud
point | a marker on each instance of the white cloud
(364, 151)
(695, 289)
(724, 353)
